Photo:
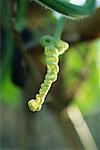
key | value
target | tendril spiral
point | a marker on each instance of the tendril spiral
(52, 51)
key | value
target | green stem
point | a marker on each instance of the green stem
(21, 16)
(59, 28)
(68, 9)
(8, 41)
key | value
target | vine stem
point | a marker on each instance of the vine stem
(59, 28)
(68, 9)
(7, 40)
(22, 14)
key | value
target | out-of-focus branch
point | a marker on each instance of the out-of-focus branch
(89, 28)
(7, 42)
(77, 31)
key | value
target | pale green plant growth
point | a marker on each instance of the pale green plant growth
(53, 48)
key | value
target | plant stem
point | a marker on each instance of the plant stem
(59, 28)
(21, 16)
(7, 40)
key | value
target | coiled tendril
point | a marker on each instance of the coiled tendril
(53, 48)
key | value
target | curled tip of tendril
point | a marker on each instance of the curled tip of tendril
(34, 105)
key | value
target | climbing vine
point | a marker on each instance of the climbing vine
(54, 46)
(52, 51)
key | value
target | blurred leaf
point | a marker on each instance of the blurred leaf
(10, 93)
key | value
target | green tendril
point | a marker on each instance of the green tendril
(53, 47)
(52, 51)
